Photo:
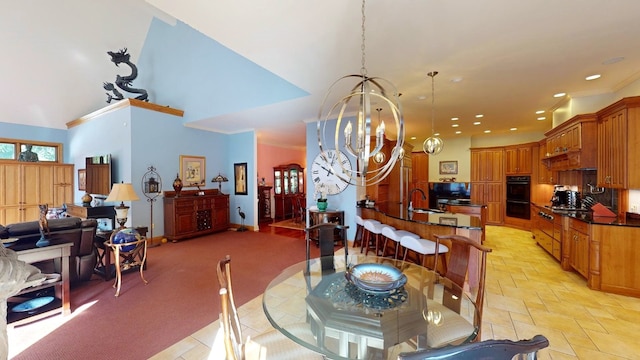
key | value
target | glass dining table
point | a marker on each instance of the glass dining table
(314, 304)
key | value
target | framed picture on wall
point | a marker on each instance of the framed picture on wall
(448, 167)
(82, 179)
(240, 175)
(192, 170)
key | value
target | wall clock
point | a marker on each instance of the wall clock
(329, 169)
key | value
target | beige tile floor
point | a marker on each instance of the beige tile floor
(527, 294)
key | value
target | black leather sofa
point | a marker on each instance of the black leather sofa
(71, 229)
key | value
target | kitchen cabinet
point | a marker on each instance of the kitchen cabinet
(518, 159)
(420, 171)
(618, 131)
(23, 186)
(545, 175)
(288, 184)
(578, 240)
(487, 164)
(570, 145)
(190, 215)
(401, 178)
(487, 182)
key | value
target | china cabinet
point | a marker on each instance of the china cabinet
(288, 184)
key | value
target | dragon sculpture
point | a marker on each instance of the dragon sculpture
(123, 82)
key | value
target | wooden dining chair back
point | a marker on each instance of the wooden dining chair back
(465, 273)
(483, 350)
(233, 340)
(325, 235)
(268, 345)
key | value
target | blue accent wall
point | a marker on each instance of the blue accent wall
(35, 133)
(188, 70)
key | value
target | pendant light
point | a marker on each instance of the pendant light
(433, 144)
(335, 120)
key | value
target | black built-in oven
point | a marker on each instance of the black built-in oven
(519, 197)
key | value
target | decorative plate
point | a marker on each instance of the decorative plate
(33, 304)
(376, 278)
(9, 241)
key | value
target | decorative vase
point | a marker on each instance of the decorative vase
(177, 185)
(86, 199)
(322, 205)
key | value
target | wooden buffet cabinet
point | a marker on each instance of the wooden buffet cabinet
(190, 215)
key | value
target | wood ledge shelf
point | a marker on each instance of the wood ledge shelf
(122, 104)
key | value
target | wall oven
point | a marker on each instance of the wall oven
(519, 197)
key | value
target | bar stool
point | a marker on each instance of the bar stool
(365, 234)
(374, 230)
(357, 240)
(422, 247)
(395, 235)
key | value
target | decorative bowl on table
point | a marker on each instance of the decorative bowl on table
(124, 236)
(376, 278)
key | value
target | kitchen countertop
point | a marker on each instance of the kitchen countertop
(588, 217)
(430, 216)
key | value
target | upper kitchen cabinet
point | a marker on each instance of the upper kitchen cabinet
(545, 175)
(571, 145)
(519, 159)
(618, 132)
(487, 164)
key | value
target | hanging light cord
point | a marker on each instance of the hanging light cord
(363, 69)
(433, 100)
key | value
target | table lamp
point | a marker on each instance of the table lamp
(122, 192)
(219, 179)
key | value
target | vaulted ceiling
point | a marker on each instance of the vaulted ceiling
(501, 58)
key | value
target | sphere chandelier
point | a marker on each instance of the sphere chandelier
(433, 144)
(356, 140)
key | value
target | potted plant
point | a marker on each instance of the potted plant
(321, 191)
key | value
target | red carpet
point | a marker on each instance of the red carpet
(181, 297)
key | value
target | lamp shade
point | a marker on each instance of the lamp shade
(122, 192)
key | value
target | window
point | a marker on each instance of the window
(31, 151)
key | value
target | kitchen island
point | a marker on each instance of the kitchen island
(426, 223)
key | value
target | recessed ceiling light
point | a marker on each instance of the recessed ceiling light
(542, 118)
(613, 60)
(454, 119)
(479, 116)
(540, 112)
(476, 123)
(436, 134)
(592, 77)
(558, 95)
(455, 125)
(458, 132)
(422, 97)
(513, 129)
(456, 79)
(413, 138)
(487, 131)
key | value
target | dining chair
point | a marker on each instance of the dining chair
(487, 350)
(268, 345)
(466, 265)
(326, 236)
